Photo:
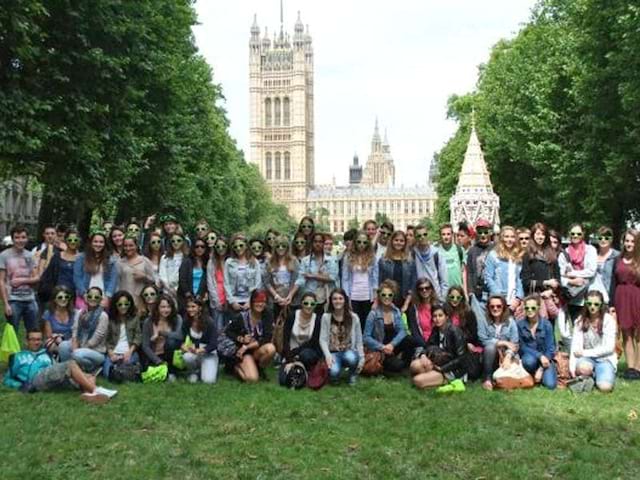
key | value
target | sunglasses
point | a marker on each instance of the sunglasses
(309, 304)
(282, 246)
(63, 296)
(212, 238)
(495, 307)
(256, 248)
(270, 238)
(362, 242)
(306, 226)
(455, 298)
(605, 237)
(384, 233)
(176, 242)
(386, 295)
(424, 288)
(239, 246)
(421, 235)
(94, 296)
(149, 295)
(483, 232)
(301, 242)
(201, 229)
(156, 242)
(593, 304)
(133, 229)
(123, 304)
(221, 247)
(530, 309)
(576, 234)
(73, 240)
(200, 245)
(523, 239)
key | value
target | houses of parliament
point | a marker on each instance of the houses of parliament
(282, 131)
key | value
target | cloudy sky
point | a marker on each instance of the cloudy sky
(398, 60)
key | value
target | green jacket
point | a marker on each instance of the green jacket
(132, 327)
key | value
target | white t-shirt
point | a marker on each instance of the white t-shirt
(360, 285)
(122, 346)
(97, 279)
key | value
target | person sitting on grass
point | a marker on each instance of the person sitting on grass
(58, 321)
(537, 344)
(200, 356)
(384, 331)
(124, 335)
(252, 331)
(593, 352)
(301, 334)
(463, 317)
(90, 333)
(341, 338)
(162, 335)
(445, 358)
(499, 336)
(33, 370)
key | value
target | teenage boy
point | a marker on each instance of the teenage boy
(453, 255)
(430, 264)
(18, 276)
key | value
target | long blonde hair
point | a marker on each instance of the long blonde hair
(361, 259)
(514, 254)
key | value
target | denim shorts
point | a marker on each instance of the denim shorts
(56, 376)
(603, 370)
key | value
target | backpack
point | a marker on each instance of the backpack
(125, 372)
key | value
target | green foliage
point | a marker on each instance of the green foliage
(557, 111)
(354, 223)
(110, 107)
(320, 217)
(381, 218)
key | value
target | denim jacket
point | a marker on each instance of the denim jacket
(487, 332)
(496, 277)
(232, 280)
(385, 272)
(604, 274)
(542, 344)
(374, 329)
(309, 265)
(82, 279)
(347, 277)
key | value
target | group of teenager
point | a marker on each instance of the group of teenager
(141, 297)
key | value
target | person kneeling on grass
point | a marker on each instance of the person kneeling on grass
(445, 358)
(252, 331)
(33, 370)
(593, 346)
(200, 356)
(124, 335)
(341, 338)
(537, 344)
(90, 333)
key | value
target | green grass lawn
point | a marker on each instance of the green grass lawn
(377, 429)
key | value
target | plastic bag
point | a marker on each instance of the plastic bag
(10, 343)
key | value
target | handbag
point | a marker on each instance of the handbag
(278, 330)
(318, 376)
(226, 347)
(178, 355)
(125, 372)
(373, 363)
(438, 356)
(513, 377)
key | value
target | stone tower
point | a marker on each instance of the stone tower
(380, 170)
(474, 198)
(355, 171)
(281, 112)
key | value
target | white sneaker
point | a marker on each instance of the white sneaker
(171, 378)
(95, 398)
(106, 391)
(193, 378)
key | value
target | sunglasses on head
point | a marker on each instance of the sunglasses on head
(605, 237)
(309, 303)
(94, 296)
(455, 298)
(149, 295)
(576, 234)
(63, 296)
(386, 295)
(123, 304)
(531, 309)
(593, 304)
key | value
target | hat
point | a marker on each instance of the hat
(168, 218)
(481, 222)
(259, 296)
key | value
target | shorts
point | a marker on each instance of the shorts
(56, 376)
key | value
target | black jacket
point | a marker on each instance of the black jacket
(414, 327)
(239, 327)
(185, 281)
(313, 343)
(535, 270)
(455, 344)
(209, 335)
(470, 329)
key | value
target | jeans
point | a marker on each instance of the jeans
(206, 363)
(108, 364)
(347, 359)
(89, 360)
(489, 361)
(64, 350)
(549, 374)
(604, 372)
(28, 311)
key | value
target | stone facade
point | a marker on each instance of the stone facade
(474, 198)
(18, 204)
(282, 142)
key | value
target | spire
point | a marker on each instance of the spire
(474, 173)
(375, 140)
(255, 30)
(281, 18)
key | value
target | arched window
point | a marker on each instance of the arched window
(287, 166)
(268, 166)
(267, 112)
(277, 111)
(286, 115)
(278, 166)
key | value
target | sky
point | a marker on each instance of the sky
(396, 60)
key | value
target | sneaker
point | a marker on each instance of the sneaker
(171, 378)
(192, 378)
(456, 386)
(631, 374)
(106, 391)
(94, 398)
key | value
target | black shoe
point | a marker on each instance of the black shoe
(631, 374)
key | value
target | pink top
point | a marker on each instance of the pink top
(424, 320)
(220, 286)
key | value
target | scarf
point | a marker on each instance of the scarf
(88, 324)
(576, 255)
